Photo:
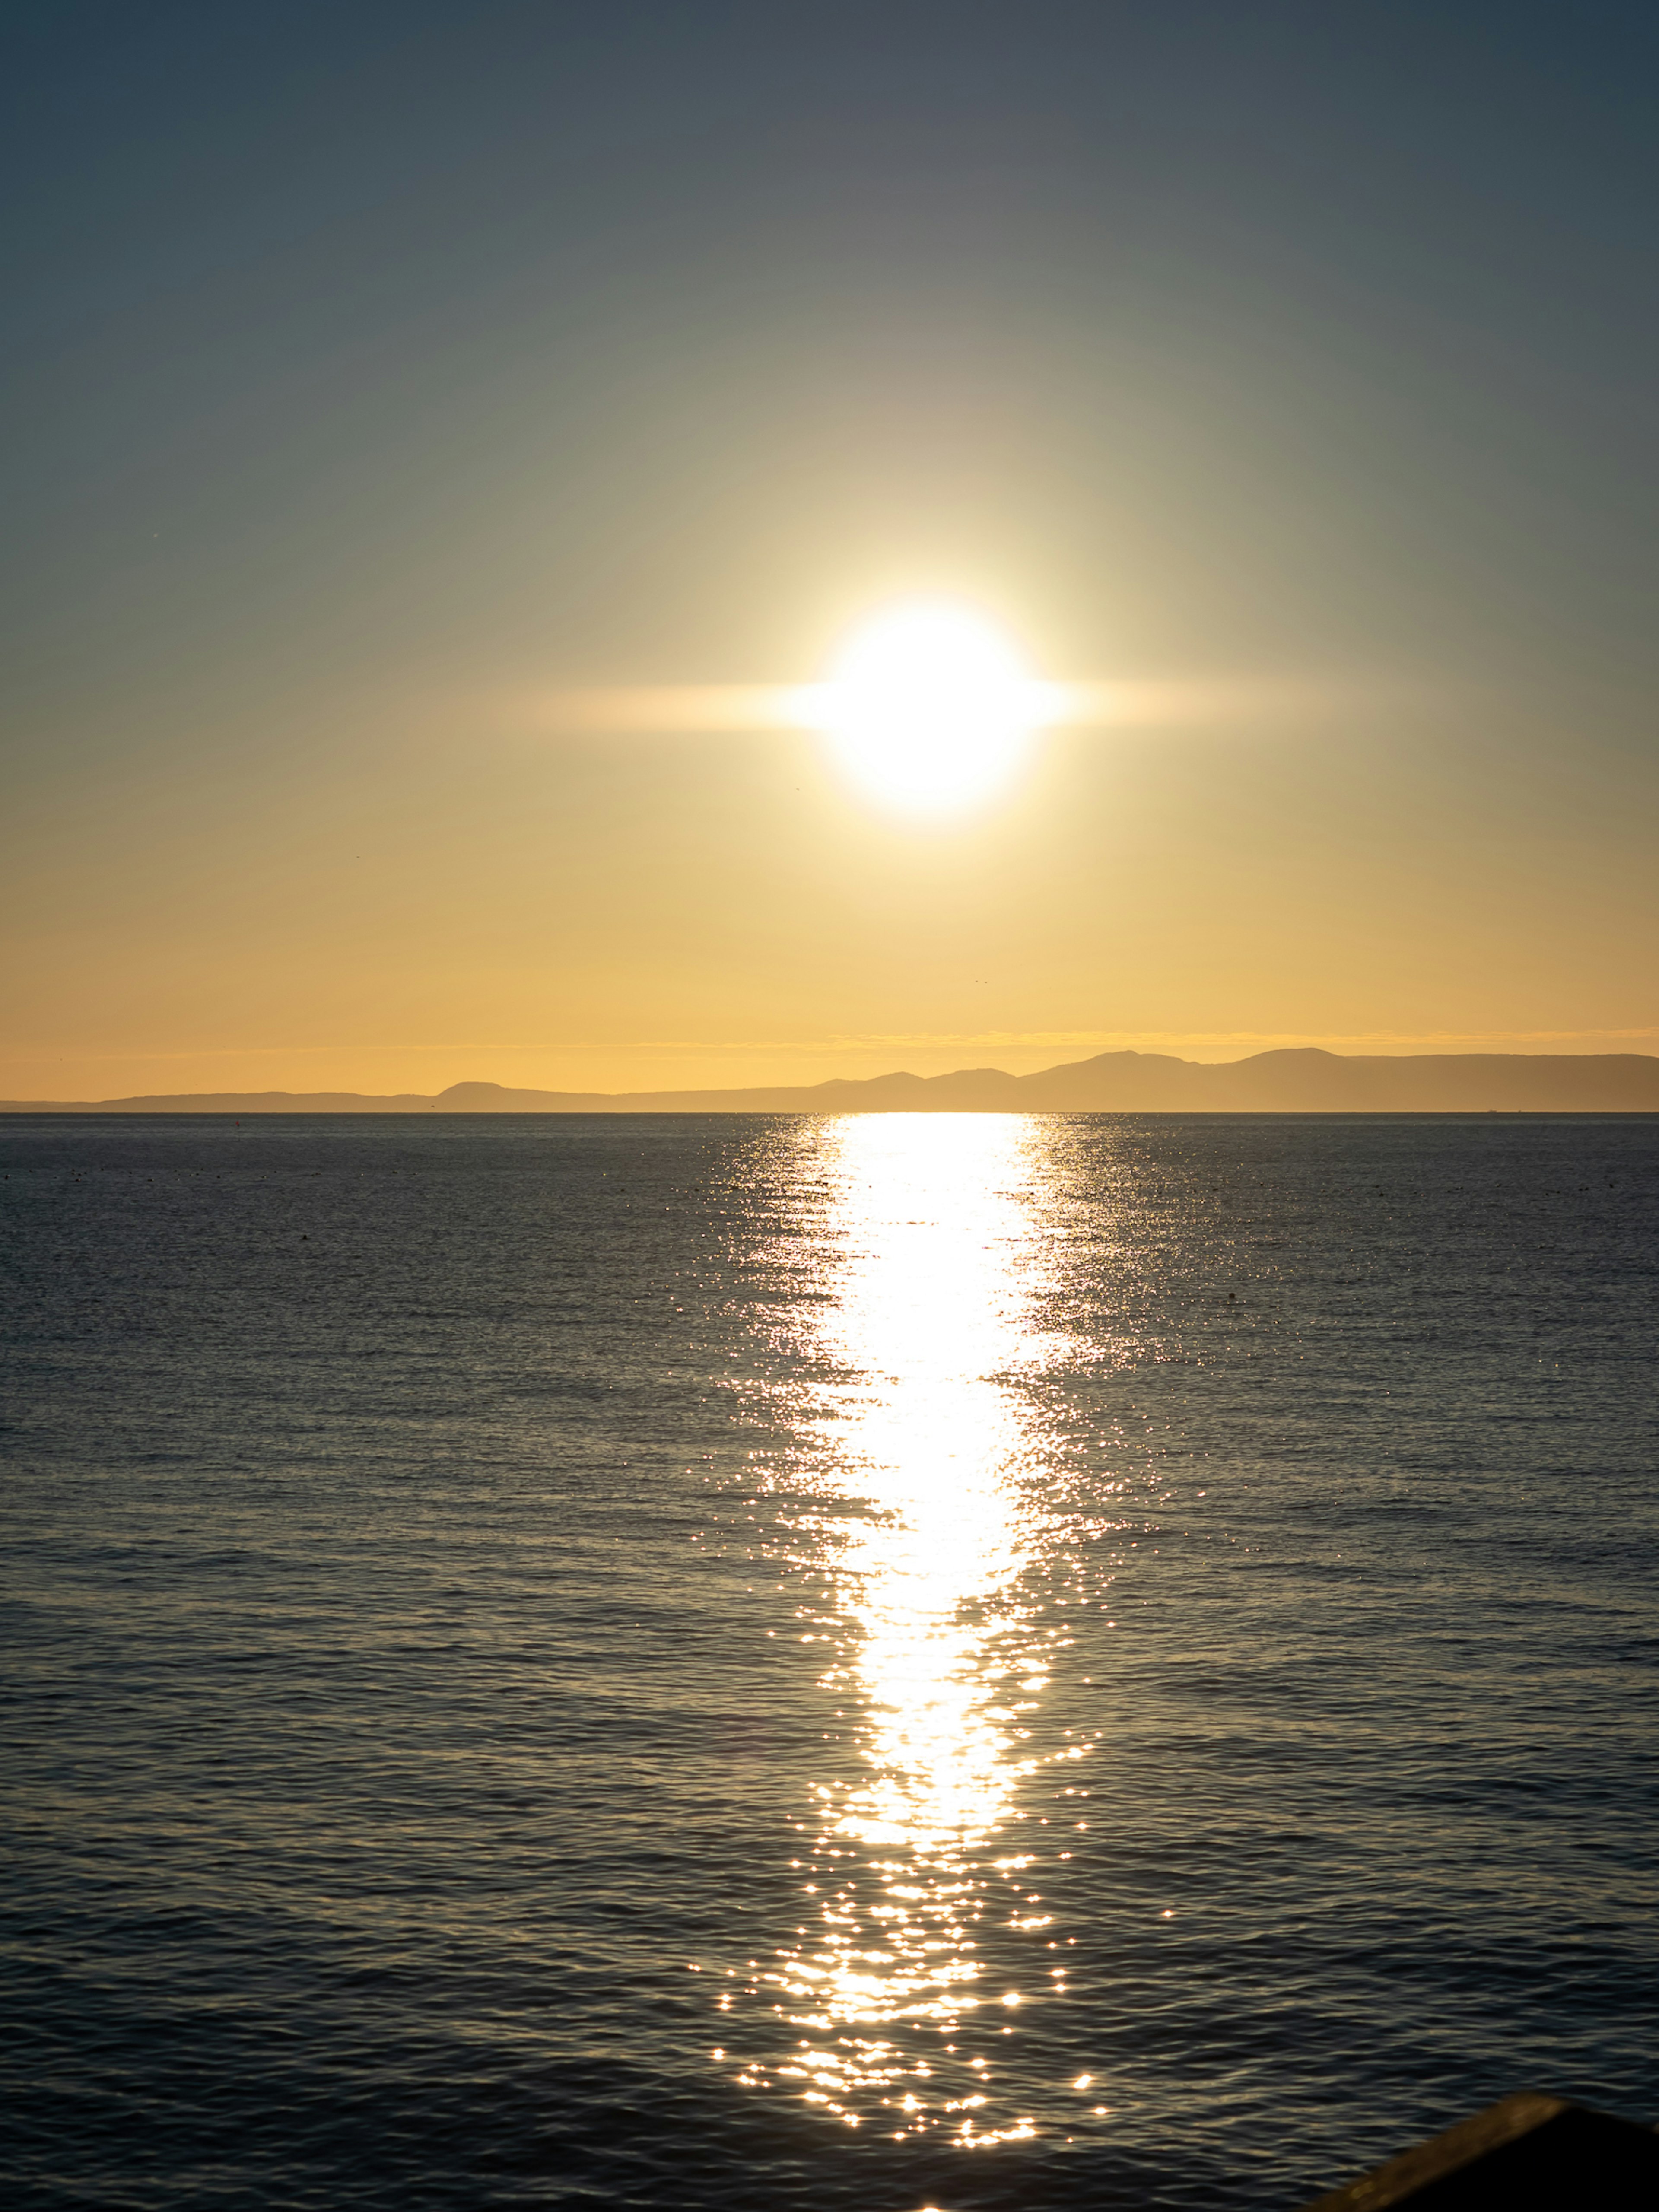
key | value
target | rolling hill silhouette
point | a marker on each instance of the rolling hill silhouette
(1304, 1080)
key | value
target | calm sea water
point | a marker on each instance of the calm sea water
(967, 1661)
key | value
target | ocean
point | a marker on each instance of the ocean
(976, 1661)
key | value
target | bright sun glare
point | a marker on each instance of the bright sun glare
(930, 705)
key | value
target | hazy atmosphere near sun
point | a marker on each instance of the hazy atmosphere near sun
(382, 380)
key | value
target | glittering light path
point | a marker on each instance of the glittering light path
(923, 1347)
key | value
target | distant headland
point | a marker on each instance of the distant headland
(1300, 1081)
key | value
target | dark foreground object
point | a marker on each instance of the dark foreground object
(1523, 2151)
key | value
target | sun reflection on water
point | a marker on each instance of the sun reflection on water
(922, 1412)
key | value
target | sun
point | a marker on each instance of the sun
(930, 705)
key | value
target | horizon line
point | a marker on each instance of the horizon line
(1074, 1070)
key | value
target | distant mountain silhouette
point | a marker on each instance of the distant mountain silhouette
(1304, 1081)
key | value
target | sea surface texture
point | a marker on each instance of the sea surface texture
(987, 1662)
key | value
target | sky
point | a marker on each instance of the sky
(378, 378)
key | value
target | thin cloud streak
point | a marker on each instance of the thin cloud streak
(1129, 703)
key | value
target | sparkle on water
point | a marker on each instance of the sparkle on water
(930, 1331)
